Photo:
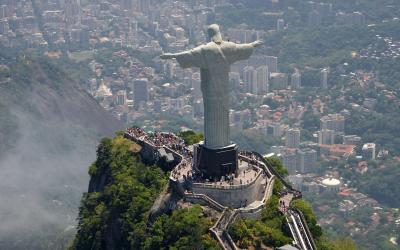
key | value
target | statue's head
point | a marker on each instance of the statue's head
(214, 34)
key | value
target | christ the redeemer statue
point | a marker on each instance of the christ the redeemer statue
(214, 60)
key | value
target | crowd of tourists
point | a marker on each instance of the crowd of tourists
(171, 141)
(160, 139)
(136, 132)
(184, 169)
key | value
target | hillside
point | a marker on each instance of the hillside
(116, 213)
(48, 130)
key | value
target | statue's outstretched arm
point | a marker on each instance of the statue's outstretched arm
(188, 58)
(243, 51)
(173, 55)
(257, 43)
(167, 55)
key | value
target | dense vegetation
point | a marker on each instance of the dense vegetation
(115, 214)
(252, 141)
(378, 128)
(185, 229)
(277, 165)
(118, 207)
(271, 230)
(190, 137)
(380, 182)
(373, 239)
(311, 219)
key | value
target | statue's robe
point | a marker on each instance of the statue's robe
(214, 61)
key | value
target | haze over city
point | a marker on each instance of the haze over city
(199, 124)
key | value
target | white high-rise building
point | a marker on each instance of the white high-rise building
(280, 24)
(250, 80)
(295, 81)
(121, 97)
(292, 138)
(368, 151)
(324, 79)
(262, 79)
(272, 63)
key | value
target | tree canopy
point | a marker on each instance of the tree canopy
(114, 214)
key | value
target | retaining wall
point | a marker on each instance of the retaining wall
(232, 197)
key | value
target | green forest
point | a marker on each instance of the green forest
(115, 213)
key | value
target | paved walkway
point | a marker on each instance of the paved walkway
(286, 199)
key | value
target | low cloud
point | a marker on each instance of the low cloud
(41, 182)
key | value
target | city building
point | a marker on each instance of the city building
(140, 90)
(280, 24)
(292, 138)
(331, 185)
(296, 180)
(295, 80)
(370, 103)
(355, 18)
(336, 151)
(121, 97)
(333, 122)
(278, 81)
(324, 79)
(307, 159)
(299, 160)
(103, 91)
(250, 80)
(368, 151)
(272, 63)
(275, 129)
(351, 140)
(262, 80)
(290, 161)
(326, 136)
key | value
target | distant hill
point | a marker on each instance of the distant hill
(49, 127)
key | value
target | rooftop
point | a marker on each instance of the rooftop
(331, 182)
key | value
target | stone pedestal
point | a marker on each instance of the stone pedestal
(214, 163)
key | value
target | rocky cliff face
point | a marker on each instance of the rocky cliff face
(49, 128)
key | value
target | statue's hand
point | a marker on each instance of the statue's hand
(167, 56)
(257, 43)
